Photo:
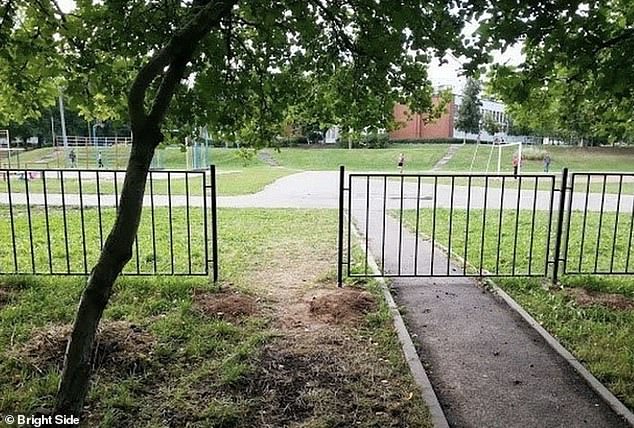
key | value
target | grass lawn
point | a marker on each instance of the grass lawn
(279, 345)
(592, 316)
(620, 159)
(417, 158)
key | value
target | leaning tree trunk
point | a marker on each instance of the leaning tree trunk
(168, 65)
(116, 252)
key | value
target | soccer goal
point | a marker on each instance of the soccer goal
(495, 149)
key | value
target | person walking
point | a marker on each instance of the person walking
(401, 162)
(546, 162)
(73, 158)
(516, 164)
(99, 160)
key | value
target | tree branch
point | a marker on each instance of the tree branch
(179, 49)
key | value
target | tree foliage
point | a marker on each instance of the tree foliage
(469, 113)
(576, 81)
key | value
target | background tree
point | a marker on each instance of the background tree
(235, 65)
(577, 69)
(469, 113)
(490, 125)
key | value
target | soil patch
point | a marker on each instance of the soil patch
(586, 298)
(226, 304)
(342, 306)
(120, 347)
(4, 297)
(327, 380)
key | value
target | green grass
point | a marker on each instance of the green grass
(602, 338)
(575, 158)
(202, 370)
(417, 158)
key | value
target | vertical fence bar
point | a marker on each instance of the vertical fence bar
(99, 211)
(560, 223)
(384, 221)
(566, 243)
(47, 222)
(433, 227)
(28, 215)
(83, 223)
(417, 226)
(453, 182)
(629, 245)
(497, 260)
(585, 217)
(367, 222)
(15, 250)
(170, 226)
(189, 239)
(214, 223)
(152, 215)
(532, 239)
(400, 229)
(350, 202)
(616, 223)
(61, 183)
(484, 222)
(596, 255)
(340, 231)
(466, 233)
(517, 223)
(550, 223)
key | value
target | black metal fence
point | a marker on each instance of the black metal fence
(55, 222)
(493, 225)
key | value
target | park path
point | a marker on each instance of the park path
(488, 367)
(452, 150)
(319, 189)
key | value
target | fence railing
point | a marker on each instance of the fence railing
(79, 141)
(55, 222)
(486, 225)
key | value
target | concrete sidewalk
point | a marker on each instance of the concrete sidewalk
(487, 366)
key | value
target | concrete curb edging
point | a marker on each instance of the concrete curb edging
(409, 351)
(614, 403)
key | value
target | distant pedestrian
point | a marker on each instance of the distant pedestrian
(99, 160)
(401, 162)
(546, 162)
(73, 158)
(516, 164)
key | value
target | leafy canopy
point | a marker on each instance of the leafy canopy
(343, 62)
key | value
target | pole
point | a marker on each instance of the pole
(63, 121)
(340, 237)
(519, 163)
(560, 223)
(214, 222)
(499, 157)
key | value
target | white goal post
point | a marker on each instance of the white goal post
(499, 146)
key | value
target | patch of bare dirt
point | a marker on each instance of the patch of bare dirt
(329, 379)
(585, 298)
(342, 306)
(120, 347)
(4, 297)
(226, 304)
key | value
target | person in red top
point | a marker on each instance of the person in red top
(516, 164)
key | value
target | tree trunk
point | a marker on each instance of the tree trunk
(116, 253)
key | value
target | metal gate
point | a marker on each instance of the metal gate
(55, 222)
(479, 225)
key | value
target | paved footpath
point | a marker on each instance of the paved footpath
(487, 366)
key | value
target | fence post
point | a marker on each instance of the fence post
(214, 223)
(560, 223)
(340, 231)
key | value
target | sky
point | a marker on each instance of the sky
(440, 75)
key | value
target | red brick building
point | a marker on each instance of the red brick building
(415, 127)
